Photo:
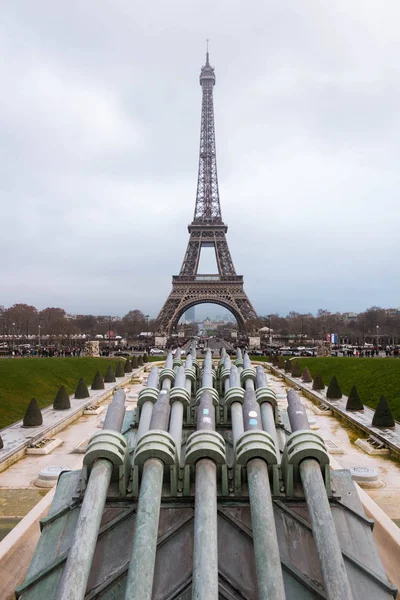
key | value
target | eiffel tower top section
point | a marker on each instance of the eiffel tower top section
(208, 209)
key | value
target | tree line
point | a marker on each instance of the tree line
(23, 320)
(363, 327)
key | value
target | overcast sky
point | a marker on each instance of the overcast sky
(100, 117)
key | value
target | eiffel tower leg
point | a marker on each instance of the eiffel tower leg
(184, 295)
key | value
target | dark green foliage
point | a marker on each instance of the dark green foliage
(81, 390)
(140, 361)
(306, 377)
(98, 382)
(134, 362)
(40, 378)
(353, 401)
(281, 362)
(109, 377)
(318, 383)
(288, 366)
(120, 370)
(334, 392)
(128, 366)
(61, 401)
(1, 442)
(296, 370)
(382, 416)
(33, 416)
(145, 358)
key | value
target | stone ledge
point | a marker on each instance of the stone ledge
(17, 439)
(355, 420)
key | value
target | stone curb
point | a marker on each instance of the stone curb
(353, 419)
(19, 442)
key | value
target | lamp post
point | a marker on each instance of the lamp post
(109, 336)
(13, 337)
(39, 337)
(147, 332)
(270, 330)
(377, 339)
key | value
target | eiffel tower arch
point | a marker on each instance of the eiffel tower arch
(206, 230)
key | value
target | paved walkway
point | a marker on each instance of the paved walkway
(363, 420)
(17, 438)
(23, 473)
(386, 497)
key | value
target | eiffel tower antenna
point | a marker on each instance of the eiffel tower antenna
(206, 230)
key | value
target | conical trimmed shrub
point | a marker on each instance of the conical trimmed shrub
(353, 402)
(81, 390)
(119, 371)
(296, 370)
(334, 392)
(382, 416)
(145, 358)
(281, 362)
(128, 366)
(318, 383)
(1, 443)
(275, 360)
(61, 401)
(98, 382)
(109, 377)
(306, 377)
(140, 361)
(288, 366)
(33, 415)
(134, 362)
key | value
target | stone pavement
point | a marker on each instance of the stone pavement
(362, 420)
(347, 454)
(16, 438)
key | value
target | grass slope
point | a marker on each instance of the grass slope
(25, 378)
(372, 376)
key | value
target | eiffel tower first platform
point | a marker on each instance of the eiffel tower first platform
(206, 230)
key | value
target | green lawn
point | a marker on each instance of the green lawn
(372, 376)
(25, 378)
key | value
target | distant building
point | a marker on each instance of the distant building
(349, 316)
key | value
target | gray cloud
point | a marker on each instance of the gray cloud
(99, 128)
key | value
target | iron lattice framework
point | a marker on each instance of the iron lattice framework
(206, 230)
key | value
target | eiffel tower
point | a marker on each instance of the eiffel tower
(206, 230)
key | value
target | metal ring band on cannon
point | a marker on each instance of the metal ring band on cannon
(167, 374)
(239, 362)
(190, 373)
(234, 394)
(266, 394)
(212, 391)
(107, 444)
(156, 444)
(205, 444)
(179, 394)
(255, 444)
(248, 374)
(305, 444)
(225, 374)
(148, 393)
(177, 362)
